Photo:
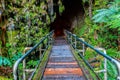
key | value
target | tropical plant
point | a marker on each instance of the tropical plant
(110, 16)
(103, 31)
(29, 21)
(4, 61)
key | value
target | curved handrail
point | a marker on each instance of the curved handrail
(15, 67)
(114, 61)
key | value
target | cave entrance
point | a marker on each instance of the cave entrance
(73, 8)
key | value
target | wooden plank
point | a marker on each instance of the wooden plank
(66, 71)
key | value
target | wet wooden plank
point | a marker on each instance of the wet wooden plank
(63, 77)
(63, 65)
(65, 71)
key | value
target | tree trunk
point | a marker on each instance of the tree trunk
(4, 38)
(3, 4)
(50, 9)
(4, 34)
(90, 9)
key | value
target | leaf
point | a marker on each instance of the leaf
(112, 71)
(8, 45)
(0, 61)
(105, 15)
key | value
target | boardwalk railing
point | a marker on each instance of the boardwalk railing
(31, 59)
(95, 58)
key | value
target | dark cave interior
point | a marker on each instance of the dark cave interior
(73, 8)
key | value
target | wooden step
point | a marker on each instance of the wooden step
(62, 64)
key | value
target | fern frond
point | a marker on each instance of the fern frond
(106, 15)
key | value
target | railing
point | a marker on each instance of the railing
(35, 53)
(95, 58)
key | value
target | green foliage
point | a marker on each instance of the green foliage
(110, 16)
(115, 22)
(111, 71)
(105, 29)
(16, 57)
(89, 54)
(61, 7)
(103, 15)
(81, 32)
(29, 21)
(32, 64)
(4, 61)
(0, 44)
(3, 78)
(108, 37)
(113, 53)
(13, 55)
(102, 32)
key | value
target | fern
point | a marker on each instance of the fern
(110, 16)
(104, 15)
(115, 23)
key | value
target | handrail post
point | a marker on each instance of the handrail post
(47, 43)
(83, 47)
(105, 64)
(118, 68)
(71, 40)
(68, 36)
(75, 41)
(24, 63)
(40, 52)
(105, 67)
(49, 40)
(52, 39)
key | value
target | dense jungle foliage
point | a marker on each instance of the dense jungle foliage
(23, 21)
(101, 25)
(101, 28)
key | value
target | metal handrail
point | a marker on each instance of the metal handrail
(105, 64)
(114, 61)
(15, 67)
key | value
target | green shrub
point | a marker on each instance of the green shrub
(5, 62)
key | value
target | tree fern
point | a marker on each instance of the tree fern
(105, 15)
(111, 15)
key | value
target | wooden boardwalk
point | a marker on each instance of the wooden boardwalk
(62, 64)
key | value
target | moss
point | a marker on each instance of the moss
(11, 36)
(4, 78)
(89, 74)
(39, 73)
